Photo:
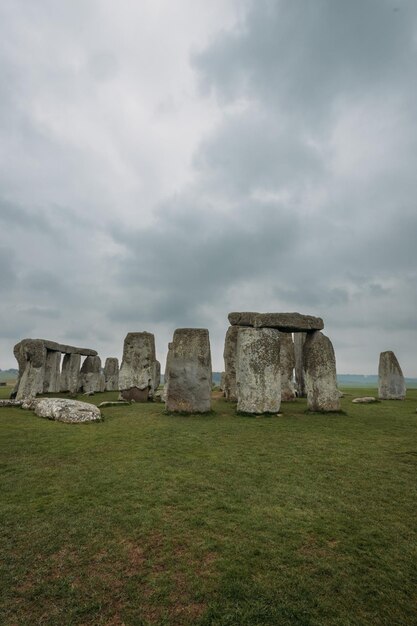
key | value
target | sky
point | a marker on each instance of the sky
(164, 163)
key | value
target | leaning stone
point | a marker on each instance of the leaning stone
(189, 373)
(51, 381)
(70, 373)
(258, 371)
(320, 374)
(246, 318)
(229, 355)
(64, 410)
(364, 400)
(137, 371)
(287, 361)
(299, 339)
(111, 374)
(31, 382)
(115, 403)
(288, 322)
(91, 378)
(391, 380)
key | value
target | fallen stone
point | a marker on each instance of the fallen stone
(111, 374)
(364, 400)
(229, 355)
(65, 410)
(320, 374)
(114, 403)
(391, 380)
(287, 361)
(189, 373)
(258, 371)
(11, 402)
(138, 368)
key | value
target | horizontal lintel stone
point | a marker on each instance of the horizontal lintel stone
(285, 322)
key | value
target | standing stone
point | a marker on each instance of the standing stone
(189, 372)
(258, 371)
(320, 373)
(166, 375)
(156, 379)
(70, 373)
(229, 355)
(91, 377)
(137, 372)
(222, 383)
(111, 374)
(31, 382)
(287, 360)
(299, 339)
(391, 380)
(51, 381)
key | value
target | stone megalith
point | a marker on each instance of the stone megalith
(258, 370)
(222, 383)
(299, 340)
(31, 382)
(320, 373)
(91, 378)
(70, 373)
(229, 355)
(391, 384)
(51, 381)
(287, 360)
(188, 372)
(156, 379)
(137, 371)
(111, 374)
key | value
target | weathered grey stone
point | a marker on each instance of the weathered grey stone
(166, 374)
(288, 322)
(51, 381)
(391, 380)
(31, 381)
(258, 370)
(91, 379)
(299, 339)
(320, 374)
(65, 410)
(102, 405)
(287, 360)
(222, 383)
(137, 372)
(62, 347)
(245, 318)
(364, 400)
(111, 374)
(70, 373)
(156, 379)
(229, 355)
(189, 372)
(5, 403)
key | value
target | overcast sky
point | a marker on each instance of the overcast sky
(164, 163)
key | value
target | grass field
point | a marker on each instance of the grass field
(210, 520)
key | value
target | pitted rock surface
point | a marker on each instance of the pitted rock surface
(65, 410)
(229, 355)
(320, 374)
(391, 380)
(138, 368)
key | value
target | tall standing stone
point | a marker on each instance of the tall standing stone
(51, 381)
(91, 377)
(31, 383)
(70, 373)
(188, 372)
(287, 360)
(111, 374)
(391, 380)
(229, 355)
(320, 373)
(137, 371)
(156, 379)
(299, 339)
(258, 370)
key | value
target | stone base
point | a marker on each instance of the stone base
(136, 394)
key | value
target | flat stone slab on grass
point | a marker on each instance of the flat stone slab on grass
(364, 400)
(11, 403)
(102, 405)
(64, 410)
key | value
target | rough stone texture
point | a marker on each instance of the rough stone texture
(156, 379)
(65, 410)
(11, 403)
(258, 370)
(287, 360)
(51, 381)
(189, 372)
(320, 374)
(166, 375)
(114, 403)
(229, 355)
(70, 373)
(288, 322)
(33, 351)
(62, 347)
(391, 380)
(111, 374)
(91, 379)
(137, 372)
(299, 339)
(222, 383)
(364, 400)
(245, 318)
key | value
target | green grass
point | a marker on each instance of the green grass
(147, 518)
